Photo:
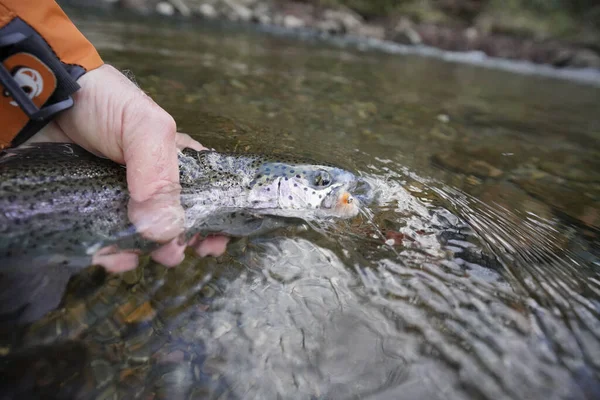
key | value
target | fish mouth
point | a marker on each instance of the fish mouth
(350, 198)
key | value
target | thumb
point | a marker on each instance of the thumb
(150, 153)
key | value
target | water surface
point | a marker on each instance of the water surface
(473, 275)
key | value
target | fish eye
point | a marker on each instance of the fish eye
(322, 179)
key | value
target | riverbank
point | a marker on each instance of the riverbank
(549, 36)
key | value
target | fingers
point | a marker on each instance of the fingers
(159, 218)
(116, 261)
(171, 254)
(211, 246)
(185, 141)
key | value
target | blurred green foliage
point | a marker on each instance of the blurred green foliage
(535, 18)
(380, 8)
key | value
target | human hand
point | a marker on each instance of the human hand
(114, 118)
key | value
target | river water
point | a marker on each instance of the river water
(474, 274)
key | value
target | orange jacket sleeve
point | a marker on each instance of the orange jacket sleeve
(66, 41)
(50, 21)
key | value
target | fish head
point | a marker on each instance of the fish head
(302, 189)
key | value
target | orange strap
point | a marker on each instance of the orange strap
(68, 43)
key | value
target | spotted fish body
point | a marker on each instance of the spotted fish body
(59, 204)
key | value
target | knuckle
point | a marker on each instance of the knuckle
(167, 124)
(142, 111)
(160, 120)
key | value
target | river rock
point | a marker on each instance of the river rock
(585, 58)
(405, 33)
(330, 26)
(443, 131)
(182, 7)
(571, 166)
(140, 6)
(575, 58)
(510, 197)
(347, 19)
(443, 118)
(371, 31)
(571, 200)
(102, 4)
(292, 22)
(207, 11)
(164, 8)
(461, 162)
(236, 11)
(250, 3)
(263, 19)
(262, 14)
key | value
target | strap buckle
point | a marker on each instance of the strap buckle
(16, 91)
